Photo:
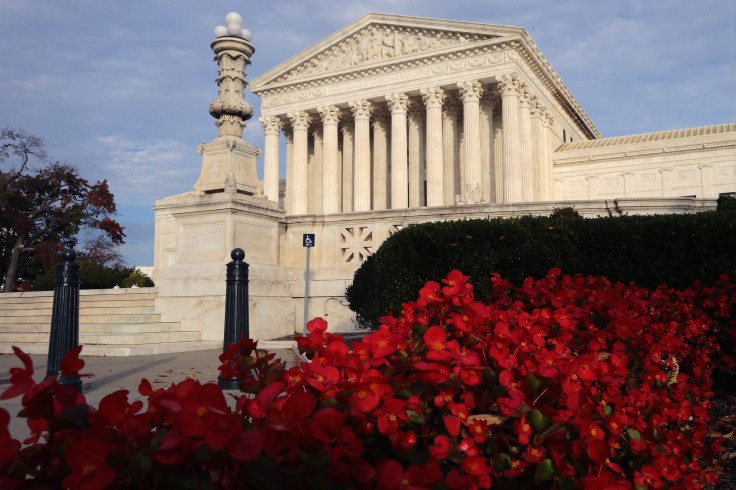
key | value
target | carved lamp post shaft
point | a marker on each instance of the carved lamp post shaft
(228, 162)
(231, 110)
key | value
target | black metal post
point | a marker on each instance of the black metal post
(236, 308)
(64, 316)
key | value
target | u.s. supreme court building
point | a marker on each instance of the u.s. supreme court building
(388, 122)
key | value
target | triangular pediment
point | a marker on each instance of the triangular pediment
(377, 39)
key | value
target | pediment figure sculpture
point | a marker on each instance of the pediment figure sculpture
(376, 38)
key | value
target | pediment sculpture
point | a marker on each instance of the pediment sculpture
(380, 42)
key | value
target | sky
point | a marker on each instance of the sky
(121, 89)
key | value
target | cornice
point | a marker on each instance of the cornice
(652, 137)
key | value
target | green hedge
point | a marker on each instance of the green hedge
(649, 250)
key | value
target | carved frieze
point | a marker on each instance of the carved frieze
(379, 42)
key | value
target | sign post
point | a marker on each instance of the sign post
(308, 243)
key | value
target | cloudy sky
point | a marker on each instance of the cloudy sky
(121, 88)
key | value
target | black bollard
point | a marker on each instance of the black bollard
(64, 317)
(236, 308)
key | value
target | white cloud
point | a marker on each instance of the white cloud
(142, 172)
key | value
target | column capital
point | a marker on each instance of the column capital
(398, 102)
(526, 96)
(300, 120)
(361, 109)
(509, 84)
(433, 96)
(537, 108)
(271, 124)
(548, 119)
(470, 90)
(329, 114)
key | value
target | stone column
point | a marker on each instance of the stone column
(525, 129)
(380, 160)
(300, 124)
(488, 183)
(450, 153)
(289, 191)
(362, 175)
(536, 112)
(347, 166)
(416, 156)
(272, 129)
(546, 159)
(509, 87)
(498, 151)
(398, 103)
(331, 175)
(314, 169)
(433, 98)
(472, 189)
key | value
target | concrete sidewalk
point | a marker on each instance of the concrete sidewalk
(125, 373)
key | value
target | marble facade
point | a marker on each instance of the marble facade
(391, 121)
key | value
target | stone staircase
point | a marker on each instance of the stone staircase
(112, 322)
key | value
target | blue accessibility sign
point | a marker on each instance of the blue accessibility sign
(308, 240)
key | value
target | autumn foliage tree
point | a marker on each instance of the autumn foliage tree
(44, 208)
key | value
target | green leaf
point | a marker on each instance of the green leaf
(501, 461)
(607, 410)
(534, 382)
(538, 420)
(415, 417)
(545, 470)
(634, 434)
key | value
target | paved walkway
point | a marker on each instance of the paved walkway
(125, 373)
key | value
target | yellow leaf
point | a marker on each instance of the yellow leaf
(490, 419)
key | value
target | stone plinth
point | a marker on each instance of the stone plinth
(194, 237)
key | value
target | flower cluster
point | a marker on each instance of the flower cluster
(564, 382)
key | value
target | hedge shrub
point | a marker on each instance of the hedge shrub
(675, 249)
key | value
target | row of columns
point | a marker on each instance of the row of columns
(429, 158)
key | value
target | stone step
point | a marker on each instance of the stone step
(138, 338)
(104, 338)
(35, 305)
(117, 309)
(98, 327)
(119, 350)
(87, 319)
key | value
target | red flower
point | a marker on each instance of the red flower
(391, 412)
(246, 446)
(428, 293)
(476, 466)
(381, 343)
(439, 449)
(21, 379)
(391, 475)
(437, 345)
(648, 477)
(364, 399)
(221, 429)
(86, 459)
(320, 377)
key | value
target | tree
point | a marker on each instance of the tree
(43, 209)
